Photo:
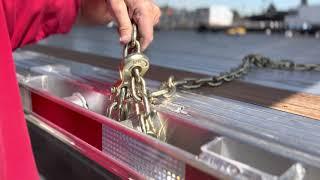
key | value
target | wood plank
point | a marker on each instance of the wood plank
(294, 102)
(289, 101)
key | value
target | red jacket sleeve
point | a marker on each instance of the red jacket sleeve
(23, 22)
(32, 20)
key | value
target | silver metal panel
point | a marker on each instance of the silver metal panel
(307, 82)
(258, 125)
(248, 162)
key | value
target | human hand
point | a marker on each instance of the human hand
(145, 13)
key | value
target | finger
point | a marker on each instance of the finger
(121, 16)
(145, 26)
(157, 15)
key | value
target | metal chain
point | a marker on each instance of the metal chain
(168, 88)
(139, 93)
(130, 92)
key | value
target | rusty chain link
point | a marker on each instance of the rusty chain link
(169, 87)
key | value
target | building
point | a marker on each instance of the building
(305, 18)
(269, 21)
(215, 16)
(176, 19)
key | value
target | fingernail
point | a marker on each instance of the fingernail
(124, 39)
(143, 47)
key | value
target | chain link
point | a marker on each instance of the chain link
(168, 88)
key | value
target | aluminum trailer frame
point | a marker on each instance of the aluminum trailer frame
(204, 141)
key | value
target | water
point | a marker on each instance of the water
(206, 53)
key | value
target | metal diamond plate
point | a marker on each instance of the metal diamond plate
(141, 157)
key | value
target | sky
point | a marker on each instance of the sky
(243, 6)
